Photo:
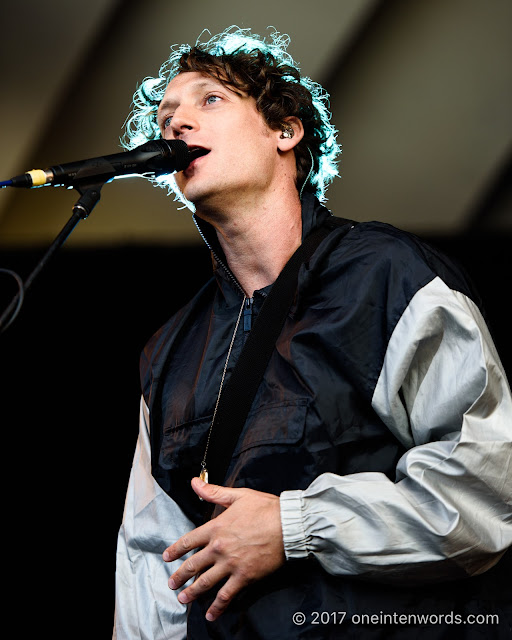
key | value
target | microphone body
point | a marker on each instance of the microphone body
(151, 159)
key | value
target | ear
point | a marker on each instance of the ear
(294, 126)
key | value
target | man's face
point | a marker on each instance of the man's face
(242, 157)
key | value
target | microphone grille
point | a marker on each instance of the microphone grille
(178, 151)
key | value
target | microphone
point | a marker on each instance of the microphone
(151, 159)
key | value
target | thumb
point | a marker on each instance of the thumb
(215, 493)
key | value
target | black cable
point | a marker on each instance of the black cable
(21, 296)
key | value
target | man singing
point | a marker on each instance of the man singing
(372, 472)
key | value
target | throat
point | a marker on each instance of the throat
(258, 246)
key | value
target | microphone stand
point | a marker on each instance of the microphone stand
(90, 193)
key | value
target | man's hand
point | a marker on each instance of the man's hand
(244, 543)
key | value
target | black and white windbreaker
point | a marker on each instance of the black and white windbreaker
(383, 422)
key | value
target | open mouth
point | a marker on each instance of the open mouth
(197, 152)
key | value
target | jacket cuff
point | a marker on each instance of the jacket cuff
(294, 534)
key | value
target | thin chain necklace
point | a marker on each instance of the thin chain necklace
(204, 471)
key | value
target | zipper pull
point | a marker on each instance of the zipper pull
(248, 314)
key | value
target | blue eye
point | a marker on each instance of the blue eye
(212, 99)
(167, 122)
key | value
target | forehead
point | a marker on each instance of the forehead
(190, 82)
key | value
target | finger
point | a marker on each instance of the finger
(224, 596)
(202, 584)
(225, 496)
(191, 567)
(192, 540)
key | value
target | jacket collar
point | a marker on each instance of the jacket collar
(313, 213)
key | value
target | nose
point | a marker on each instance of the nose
(183, 120)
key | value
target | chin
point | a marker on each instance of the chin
(202, 195)
(195, 196)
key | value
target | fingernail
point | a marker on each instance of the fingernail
(172, 584)
(166, 556)
(183, 598)
(210, 617)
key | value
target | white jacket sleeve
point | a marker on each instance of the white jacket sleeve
(443, 393)
(145, 606)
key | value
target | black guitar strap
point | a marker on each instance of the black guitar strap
(238, 394)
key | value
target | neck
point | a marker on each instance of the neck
(258, 241)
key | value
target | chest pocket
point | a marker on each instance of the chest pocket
(275, 424)
(272, 452)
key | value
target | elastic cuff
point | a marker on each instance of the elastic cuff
(294, 535)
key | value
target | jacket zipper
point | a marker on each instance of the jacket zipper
(219, 261)
(248, 314)
(248, 301)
